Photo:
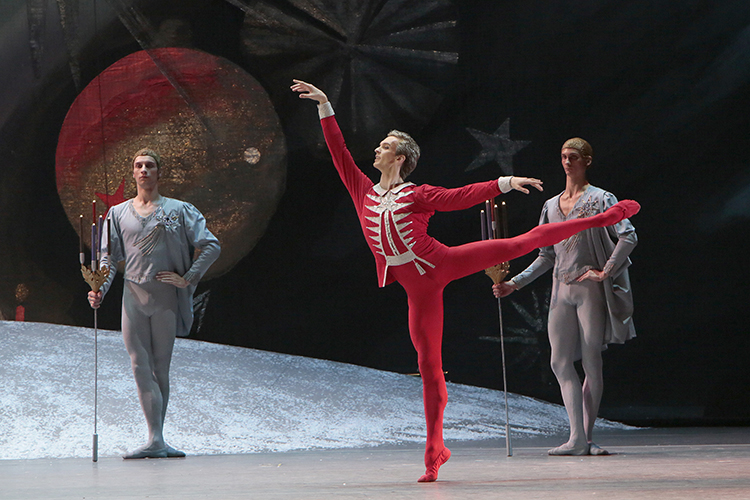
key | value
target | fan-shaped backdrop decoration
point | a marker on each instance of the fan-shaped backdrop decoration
(383, 64)
(219, 137)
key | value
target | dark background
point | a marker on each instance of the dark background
(660, 89)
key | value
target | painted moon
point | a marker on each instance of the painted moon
(219, 137)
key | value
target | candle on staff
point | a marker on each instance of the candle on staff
(496, 216)
(93, 213)
(483, 224)
(504, 219)
(81, 257)
(488, 217)
(109, 236)
(93, 249)
(99, 238)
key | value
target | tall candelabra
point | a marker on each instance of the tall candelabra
(494, 224)
(95, 276)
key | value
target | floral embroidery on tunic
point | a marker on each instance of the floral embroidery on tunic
(170, 220)
(587, 209)
(164, 222)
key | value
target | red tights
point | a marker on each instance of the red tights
(425, 294)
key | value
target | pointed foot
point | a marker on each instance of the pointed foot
(431, 474)
(617, 212)
(629, 207)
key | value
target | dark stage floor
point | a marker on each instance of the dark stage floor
(680, 463)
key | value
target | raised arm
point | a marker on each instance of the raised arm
(355, 181)
(309, 91)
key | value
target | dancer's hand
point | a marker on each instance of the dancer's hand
(503, 289)
(172, 279)
(593, 275)
(95, 299)
(518, 183)
(309, 91)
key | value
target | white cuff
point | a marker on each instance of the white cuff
(504, 184)
(325, 110)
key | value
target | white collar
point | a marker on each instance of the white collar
(379, 189)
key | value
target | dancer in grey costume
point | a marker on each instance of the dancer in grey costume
(156, 237)
(592, 303)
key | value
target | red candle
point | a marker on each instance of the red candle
(93, 214)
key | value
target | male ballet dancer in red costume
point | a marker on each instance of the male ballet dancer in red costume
(394, 216)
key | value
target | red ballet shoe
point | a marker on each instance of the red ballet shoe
(431, 473)
(617, 212)
(629, 207)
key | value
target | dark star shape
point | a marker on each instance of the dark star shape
(498, 147)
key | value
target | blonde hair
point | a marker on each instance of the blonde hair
(408, 147)
(580, 145)
(149, 152)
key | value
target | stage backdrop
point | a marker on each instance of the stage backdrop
(661, 89)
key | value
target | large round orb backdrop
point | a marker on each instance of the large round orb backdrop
(220, 140)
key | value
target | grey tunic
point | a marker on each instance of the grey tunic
(591, 249)
(164, 241)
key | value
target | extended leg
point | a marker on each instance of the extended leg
(479, 255)
(549, 234)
